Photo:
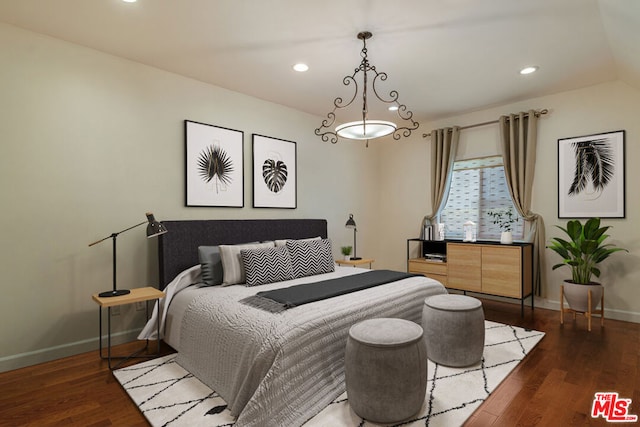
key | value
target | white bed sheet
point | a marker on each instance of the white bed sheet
(174, 316)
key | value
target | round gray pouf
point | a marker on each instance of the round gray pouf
(386, 369)
(454, 329)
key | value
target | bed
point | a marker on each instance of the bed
(272, 369)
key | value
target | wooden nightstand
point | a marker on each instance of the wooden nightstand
(356, 262)
(137, 295)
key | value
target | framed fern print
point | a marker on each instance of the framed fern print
(214, 165)
(591, 176)
(274, 173)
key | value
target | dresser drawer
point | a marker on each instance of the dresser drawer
(422, 266)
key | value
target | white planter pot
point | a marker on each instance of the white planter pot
(577, 296)
(347, 257)
(506, 238)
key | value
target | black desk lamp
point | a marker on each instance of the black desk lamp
(154, 228)
(352, 224)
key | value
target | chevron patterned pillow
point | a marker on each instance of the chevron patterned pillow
(233, 270)
(311, 257)
(264, 266)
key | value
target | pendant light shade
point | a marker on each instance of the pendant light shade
(364, 82)
(369, 129)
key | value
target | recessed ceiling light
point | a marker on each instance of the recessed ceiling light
(393, 108)
(301, 68)
(129, 1)
(529, 70)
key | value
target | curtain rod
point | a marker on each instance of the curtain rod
(537, 113)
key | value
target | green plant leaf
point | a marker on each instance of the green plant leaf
(585, 249)
(574, 229)
(588, 247)
(591, 228)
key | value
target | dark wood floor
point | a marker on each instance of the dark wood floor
(553, 386)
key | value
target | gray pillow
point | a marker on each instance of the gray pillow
(268, 265)
(233, 270)
(211, 264)
(283, 242)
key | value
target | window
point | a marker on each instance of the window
(478, 186)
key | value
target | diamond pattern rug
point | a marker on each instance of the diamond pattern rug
(168, 395)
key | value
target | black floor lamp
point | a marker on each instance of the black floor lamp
(352, 224)
(154, 228)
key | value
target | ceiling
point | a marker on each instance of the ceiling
(444, 57)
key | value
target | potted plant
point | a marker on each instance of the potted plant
(504, 218)
(346, 252)
(582, 252)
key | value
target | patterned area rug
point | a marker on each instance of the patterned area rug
(170, 396)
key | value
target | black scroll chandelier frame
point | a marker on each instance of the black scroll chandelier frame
(366, 129)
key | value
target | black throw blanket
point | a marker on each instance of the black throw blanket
(279, 300)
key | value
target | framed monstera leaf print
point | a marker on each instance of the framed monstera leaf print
(214, 165)
(274, 173)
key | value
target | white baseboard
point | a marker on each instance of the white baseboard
(16, 361)
(626, 316)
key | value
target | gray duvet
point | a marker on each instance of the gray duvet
(282, 369)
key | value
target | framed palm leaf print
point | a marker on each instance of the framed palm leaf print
(591, 176)
(214, 165)
(274, 173)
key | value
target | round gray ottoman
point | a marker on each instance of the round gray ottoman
(386, 369)
(454, 329)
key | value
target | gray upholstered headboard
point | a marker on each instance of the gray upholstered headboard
(178, 249)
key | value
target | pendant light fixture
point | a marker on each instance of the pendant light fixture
(367, 128)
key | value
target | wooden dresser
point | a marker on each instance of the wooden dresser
(483, 267)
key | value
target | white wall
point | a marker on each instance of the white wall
(77, 129)
(90, 142)
(606, 107)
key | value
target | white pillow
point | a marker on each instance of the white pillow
(233, 271)
(284, 242)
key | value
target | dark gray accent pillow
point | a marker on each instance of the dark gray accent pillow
(311, 257)
(262, 266)
(211, 264)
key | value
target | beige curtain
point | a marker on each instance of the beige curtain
(444, 144)
(518, 140)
